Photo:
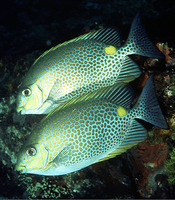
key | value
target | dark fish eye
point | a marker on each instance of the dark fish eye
(26, 92)
(31, 151)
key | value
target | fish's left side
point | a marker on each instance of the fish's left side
(81, 66)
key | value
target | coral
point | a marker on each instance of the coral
(147, 158)
(168, 52)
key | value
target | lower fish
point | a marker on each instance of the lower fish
(86, 133)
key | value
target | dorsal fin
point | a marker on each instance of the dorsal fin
(121, 94)
(109, 36)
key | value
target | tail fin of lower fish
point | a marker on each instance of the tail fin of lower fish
(138, 41)
(148, 106)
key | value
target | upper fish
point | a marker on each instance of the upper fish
(77, 136)
(65, 74)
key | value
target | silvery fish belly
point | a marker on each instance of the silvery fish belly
(88, 132)
(82, 66)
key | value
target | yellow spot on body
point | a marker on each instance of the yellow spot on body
(121, 111)
(110, 50)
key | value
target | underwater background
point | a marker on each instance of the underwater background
(27, 29)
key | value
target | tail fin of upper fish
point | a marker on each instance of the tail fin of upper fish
(148, 108)
(138, 41)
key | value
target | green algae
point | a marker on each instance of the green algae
(44, 188)
(170, 165)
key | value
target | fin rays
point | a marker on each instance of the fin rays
(129, 71)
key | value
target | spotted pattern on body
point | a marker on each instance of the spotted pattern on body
(88, 131)
(82, 132)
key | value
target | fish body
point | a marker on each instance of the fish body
(81, 66)
(88, 132)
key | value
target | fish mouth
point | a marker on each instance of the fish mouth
(20, 168)
(19, 109)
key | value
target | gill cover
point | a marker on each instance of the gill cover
(31, 158)
(29, 99)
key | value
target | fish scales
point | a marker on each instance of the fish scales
(88, 132)
(91, 68)
(81, 66)
(77, 126)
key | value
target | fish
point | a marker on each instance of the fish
(88, 132)
(81, 66)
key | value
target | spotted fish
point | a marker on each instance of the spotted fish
(80, 66)
(92, 131)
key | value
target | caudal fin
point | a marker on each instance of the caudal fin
(148, 108)
(138, 41)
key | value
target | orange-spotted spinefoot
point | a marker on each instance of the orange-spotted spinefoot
(88, 132)
(80, 66)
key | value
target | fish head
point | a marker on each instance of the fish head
(29, 99)
(32, 159)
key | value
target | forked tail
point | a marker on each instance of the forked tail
(148, 106)
(139, 43)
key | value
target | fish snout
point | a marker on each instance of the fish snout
(19, 109)
(20, 167)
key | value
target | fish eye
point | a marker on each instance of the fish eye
(31, 151)
(26, 92)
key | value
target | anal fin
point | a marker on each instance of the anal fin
(130, 71)
(136, 134)
(114, 153)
